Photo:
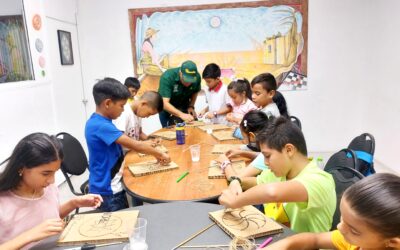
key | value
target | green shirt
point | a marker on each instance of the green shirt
(171, 87)
(316, 214)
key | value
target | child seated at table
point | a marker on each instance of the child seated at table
(30, 209)
(240, 93)
(370, 219)
(305, 195)
(133, 85)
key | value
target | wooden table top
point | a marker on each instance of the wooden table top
(162, 187)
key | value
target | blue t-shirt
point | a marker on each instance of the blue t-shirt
(104, 152)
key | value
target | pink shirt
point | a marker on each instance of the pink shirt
(19, 214)
(240, 110)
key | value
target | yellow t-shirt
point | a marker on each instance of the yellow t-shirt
(340, 243)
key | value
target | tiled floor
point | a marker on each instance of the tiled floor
(65, 193)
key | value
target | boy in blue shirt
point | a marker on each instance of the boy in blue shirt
(104, 141)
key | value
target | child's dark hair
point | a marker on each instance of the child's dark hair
(254, 121)
(280, 132)
(32, 151)
(132, 82)
(376, 199)
(212, 70)
(109, 88)
(154, 99)
(240, 86)
(280, 101)
(267, 81)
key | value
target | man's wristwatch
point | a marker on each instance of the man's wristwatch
(215, 114)
(232, 178)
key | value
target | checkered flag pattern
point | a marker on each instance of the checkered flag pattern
(294, 81)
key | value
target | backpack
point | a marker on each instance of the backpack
(344, 173)
(364, 147)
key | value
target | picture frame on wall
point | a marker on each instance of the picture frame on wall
(65, 46)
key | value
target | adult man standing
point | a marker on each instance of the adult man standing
(179, 88)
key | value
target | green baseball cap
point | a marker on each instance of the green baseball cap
(189, 72)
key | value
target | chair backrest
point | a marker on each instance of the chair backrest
(342, 168)
(75, 161)
(364, 147)
(295, 120)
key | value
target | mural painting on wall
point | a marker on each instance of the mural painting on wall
(244, 39)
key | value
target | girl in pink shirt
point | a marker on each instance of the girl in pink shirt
(29, 204)
(240, 103)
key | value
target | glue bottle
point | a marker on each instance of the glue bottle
(180, 133)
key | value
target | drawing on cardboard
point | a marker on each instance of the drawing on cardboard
(245, 222)
(213, 127)
(97, 228)
(150, 167)
(223, 135)
(215, 171)
(159, 148)
(167, 135)
(222, 148)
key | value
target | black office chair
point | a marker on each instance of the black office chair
(295, 120)
(75, 161)
(342, 167)
(364, 146)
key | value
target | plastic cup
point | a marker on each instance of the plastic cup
(137, 235)
(195, 152)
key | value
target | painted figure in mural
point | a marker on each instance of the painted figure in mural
(150, 60)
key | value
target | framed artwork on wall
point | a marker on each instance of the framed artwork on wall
(245, 39)
(65, 45)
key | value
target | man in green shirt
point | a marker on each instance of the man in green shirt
(179, 88)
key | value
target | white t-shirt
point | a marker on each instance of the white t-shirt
(271, 109)
(129, 123)
(217, 100)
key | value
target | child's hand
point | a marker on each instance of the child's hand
(201, 114)
(222, 158)
(156, 140)
(89, 200)
(228, 198)
(230, 117)
(232, 153)
(209, 115)
(46, 229)
(164, 159)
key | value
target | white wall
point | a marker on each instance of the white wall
(48, 104)
(382, 113)
(26, 107)
(352, 46)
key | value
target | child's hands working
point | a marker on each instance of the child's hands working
(164, 159)
(89, 200)
(232, 153)
(228, 198)
(46, 229)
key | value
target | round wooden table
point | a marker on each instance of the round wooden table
(162, 187)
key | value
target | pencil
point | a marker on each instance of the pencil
(182, 176)
(266, 242)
